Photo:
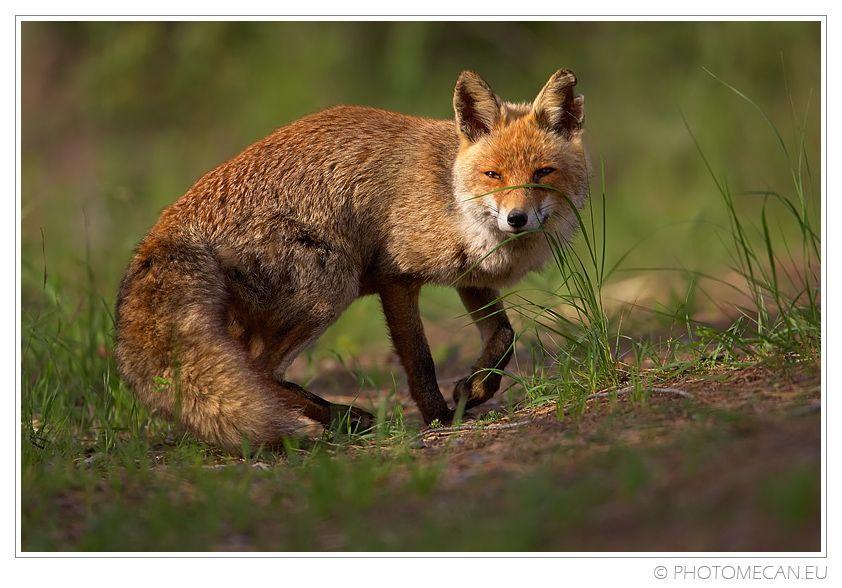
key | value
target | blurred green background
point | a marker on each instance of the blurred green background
(119, 119)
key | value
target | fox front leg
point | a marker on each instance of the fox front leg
(400, 306)
(497, 338)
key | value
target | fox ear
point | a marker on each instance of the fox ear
(476, 106)
(556, 108)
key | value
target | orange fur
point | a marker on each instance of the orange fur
(265, 251)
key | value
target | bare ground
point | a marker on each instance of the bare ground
(727, 461)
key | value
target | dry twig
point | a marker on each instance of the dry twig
(626, 390)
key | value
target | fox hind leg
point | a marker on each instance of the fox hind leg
(309, 284)
(331, 415)
(275, 361)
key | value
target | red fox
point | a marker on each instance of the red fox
(264, 252)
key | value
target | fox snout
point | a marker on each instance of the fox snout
(521, 214)
(517, 219)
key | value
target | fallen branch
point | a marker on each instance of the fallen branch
(626, 390)
(515, 424)
(489, 427)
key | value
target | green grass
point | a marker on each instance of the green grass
(99, 473)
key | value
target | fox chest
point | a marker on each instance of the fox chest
(481, 261)
(496, 265)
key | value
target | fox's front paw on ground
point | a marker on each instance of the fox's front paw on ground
(350, 419)
(475, 389)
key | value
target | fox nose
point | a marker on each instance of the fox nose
(517, 219)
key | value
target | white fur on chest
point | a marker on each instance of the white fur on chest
(493, 262)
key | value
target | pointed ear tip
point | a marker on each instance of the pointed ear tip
(467, 74)
(566, 76)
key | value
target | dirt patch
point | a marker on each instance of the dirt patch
(734, 466)
(743, 400)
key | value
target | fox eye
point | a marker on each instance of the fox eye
(493, 174)
(544, 171)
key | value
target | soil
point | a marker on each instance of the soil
(729, 460)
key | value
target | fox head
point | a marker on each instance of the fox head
(519, 166)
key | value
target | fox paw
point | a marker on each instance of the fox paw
(350, 419)
(474, 390)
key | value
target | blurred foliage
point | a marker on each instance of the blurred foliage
(120, 118)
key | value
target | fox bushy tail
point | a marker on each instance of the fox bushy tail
(175, 352)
